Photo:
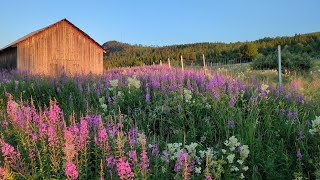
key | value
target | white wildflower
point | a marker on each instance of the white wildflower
(203, 138)
(163, 169)
(315, 126)
(187, 95)
(232, 143)
(242, 176)
(264, 87)
(120, 94)
(244, 151)
(234, 168)
(198, 170)
(223, 151)
(208, 106)
(114, 83)
(102, 100)
(133, 82)
(245, 168)
(230, 158)
(104, 107)
(174, 150)
(240, 161)
(192, 148)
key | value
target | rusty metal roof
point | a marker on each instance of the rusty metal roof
(14, 44)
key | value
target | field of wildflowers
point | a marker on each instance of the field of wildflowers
(155, 122)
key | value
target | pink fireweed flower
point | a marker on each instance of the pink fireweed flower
(133, 156)
(52, 138)
(144, 161)
(10, 155)
(35, 116)
(2, 173)
(181, 161)
(5, 124)
(111, 161)
(71, 171)
(8, 152)
(124, 170)
(103, 139)
(70, 148)
(15, 114)
(84, 134)
(54, 113)
(43, 130)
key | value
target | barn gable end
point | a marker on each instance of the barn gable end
(61, 47)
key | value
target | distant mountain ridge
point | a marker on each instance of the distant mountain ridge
(123, 54)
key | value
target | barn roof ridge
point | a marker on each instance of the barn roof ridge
(14, 43)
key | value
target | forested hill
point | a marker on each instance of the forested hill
(122, 54)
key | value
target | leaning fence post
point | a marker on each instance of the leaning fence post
(169, 62)
(279, 66)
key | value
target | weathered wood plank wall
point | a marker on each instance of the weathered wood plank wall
(60, 48)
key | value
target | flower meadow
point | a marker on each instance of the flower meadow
(155, 122)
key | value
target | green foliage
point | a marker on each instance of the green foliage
(249, 50)
(289, 61)
(123, 54)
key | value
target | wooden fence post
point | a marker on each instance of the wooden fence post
(182, 65)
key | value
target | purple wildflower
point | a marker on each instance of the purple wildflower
(299, 98)
(292, 115)
(231, 124)
(165, 156)
(299, 155)
(233, 101)
(155, 150)
(133, 134)
(238, 148)
(288, 95)
(294, 85)
(300, 135)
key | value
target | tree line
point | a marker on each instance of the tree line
(299, 46)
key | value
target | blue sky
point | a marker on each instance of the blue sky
(164, 22)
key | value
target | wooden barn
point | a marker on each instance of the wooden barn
(60, 47)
